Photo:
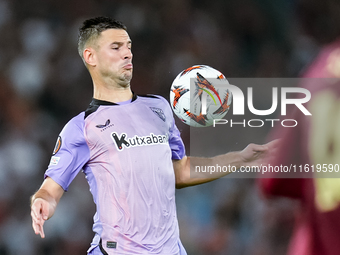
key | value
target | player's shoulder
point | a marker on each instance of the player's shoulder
(156, 103)
(153, 98)
(72, 134)
(74, 125)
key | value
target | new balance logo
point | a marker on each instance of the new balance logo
(124, 142)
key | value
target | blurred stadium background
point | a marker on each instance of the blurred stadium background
(43, 83)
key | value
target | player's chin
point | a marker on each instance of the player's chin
(125, 79)
(127, 73)
(128, 76)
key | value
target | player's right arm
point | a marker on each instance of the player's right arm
(44, 203)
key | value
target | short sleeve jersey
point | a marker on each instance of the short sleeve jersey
(126, 152)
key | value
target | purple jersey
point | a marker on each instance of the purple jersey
(126, 152)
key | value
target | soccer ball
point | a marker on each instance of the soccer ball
(186, 100)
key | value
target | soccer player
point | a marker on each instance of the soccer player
(314, 144)
(130, 151)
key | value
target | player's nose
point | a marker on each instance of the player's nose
(127, 54)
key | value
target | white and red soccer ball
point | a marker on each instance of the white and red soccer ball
(187, 104)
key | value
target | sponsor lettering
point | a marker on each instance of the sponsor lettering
(122, 141)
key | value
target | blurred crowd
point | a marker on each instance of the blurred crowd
(43, 83)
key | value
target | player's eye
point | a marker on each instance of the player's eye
(115, 46)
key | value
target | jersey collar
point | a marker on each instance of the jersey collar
(98, 102)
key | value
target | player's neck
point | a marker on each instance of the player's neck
(112, 94)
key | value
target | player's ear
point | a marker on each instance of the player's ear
(89, 56)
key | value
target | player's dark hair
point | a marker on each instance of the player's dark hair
(92, 28)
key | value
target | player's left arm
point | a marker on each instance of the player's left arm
(252, 155)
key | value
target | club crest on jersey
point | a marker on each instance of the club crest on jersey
(122, 141)
(159, 113)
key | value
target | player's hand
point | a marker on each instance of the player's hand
(40, 210)
(255, 155)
